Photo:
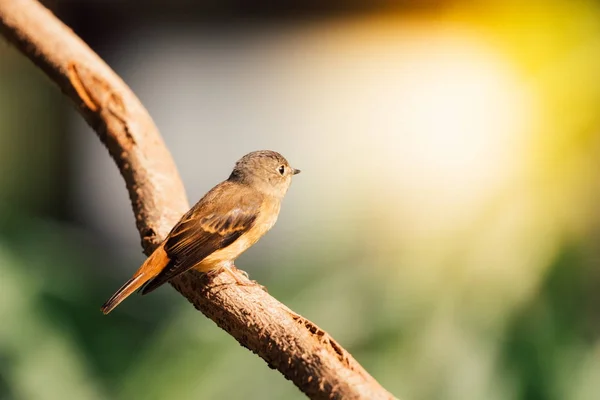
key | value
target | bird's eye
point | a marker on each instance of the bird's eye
(281, 170)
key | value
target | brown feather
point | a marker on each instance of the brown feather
(215, 222)
(153, 265)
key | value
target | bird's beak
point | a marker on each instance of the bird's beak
(296, 171)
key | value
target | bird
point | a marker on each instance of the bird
(225, 222)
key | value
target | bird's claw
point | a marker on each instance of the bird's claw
(250, 282)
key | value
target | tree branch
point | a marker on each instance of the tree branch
(296, 347)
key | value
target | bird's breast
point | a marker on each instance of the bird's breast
(265, 220)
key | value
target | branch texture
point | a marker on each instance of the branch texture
(296, 347)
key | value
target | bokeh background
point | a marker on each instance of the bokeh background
(445, 227)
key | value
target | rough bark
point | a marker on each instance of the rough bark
(296, 347)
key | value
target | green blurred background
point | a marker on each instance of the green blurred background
(444, 229)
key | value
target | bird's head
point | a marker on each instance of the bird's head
(265, 170)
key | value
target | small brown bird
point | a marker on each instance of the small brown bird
(229, 219)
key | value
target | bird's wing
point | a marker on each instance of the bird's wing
(213, 224)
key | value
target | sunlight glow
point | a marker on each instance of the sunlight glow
(461, 123)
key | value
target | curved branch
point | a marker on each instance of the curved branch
(296, 347)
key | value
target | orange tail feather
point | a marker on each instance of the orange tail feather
(153, 265)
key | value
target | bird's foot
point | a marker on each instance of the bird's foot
(239, 282)
(230, 271)
(241, 271)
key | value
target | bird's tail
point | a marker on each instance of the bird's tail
(153, 265)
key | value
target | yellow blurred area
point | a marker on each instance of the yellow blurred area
(472, 137)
